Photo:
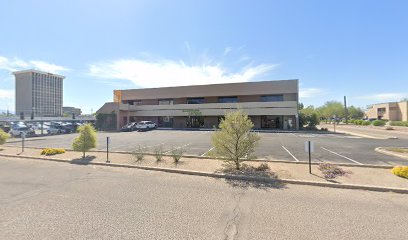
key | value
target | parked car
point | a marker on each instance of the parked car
(145, 125)
(129, 127)
(18, 131)
(58, 129)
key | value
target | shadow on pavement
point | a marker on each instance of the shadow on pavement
(83, 161)
(270, 179)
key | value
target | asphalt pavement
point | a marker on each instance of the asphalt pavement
(48, 200)
(329, 147)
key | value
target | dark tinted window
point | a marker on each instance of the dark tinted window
(195, 100)
(227, 99)
(272, 98)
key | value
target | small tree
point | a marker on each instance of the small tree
(3, 136)
(86, 139)
(234, 140)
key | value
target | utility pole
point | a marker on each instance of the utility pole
(345, 109)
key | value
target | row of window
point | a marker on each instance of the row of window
(200, 100)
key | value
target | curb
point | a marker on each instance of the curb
(389, 153)
(360, 135)
(225, 176)
(252, 160)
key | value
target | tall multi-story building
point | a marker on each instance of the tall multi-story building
(269, 104)
(38, 93)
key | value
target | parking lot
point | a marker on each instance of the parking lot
(329, 147)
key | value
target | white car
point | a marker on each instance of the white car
(18, 131)
(145, 125)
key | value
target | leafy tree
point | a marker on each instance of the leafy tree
(234, 140)
(331, 108)
(309, 116)
(355, 112)
(86, 139)
(3, 136)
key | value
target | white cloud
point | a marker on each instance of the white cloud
(18, 64)
(162, 72)
(6, 99)
(382, 97)
(310, 92)
(6, 94)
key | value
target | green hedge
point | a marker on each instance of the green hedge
(379, 123)
(399, 123)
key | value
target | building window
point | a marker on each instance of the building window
(165, 122)
(227, 99)
(272, 98)
(165, 101)
(195, 100)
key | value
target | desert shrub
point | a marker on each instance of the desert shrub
(52, 151)
(86, 139)
(158, 153)
(235, 141)
(358, 122)
(400, 171)
(331, 171)
(263, 167)
(379, 123)
(138, 154)
(177, 154)
(3, 136)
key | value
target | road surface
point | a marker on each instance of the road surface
(48, 200)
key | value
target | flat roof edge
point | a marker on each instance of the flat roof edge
(37, 71)
(215, 84)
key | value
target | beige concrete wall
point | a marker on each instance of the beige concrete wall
(217, 109)
(393, 111)
(403, 109)
(231, 89)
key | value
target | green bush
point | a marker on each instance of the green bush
(177, 154)
(399, 123)
(379, 123)
(52, 151)
(366, 123)
(139, 154)
(86, 139)
(158, 152)
(3, 136)
(400, 171)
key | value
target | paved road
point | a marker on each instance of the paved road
(336, 148)
(46, 200)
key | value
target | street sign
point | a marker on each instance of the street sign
(307, 146)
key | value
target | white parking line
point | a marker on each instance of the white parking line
(297, 160)
(354, 161)
(202, 155)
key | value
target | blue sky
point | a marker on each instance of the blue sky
(352, 47)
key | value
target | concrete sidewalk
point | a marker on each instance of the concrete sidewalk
(372, 176)
(368, 131)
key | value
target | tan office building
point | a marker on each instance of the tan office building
(270, 104)
(39, 93)
(393, 111)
